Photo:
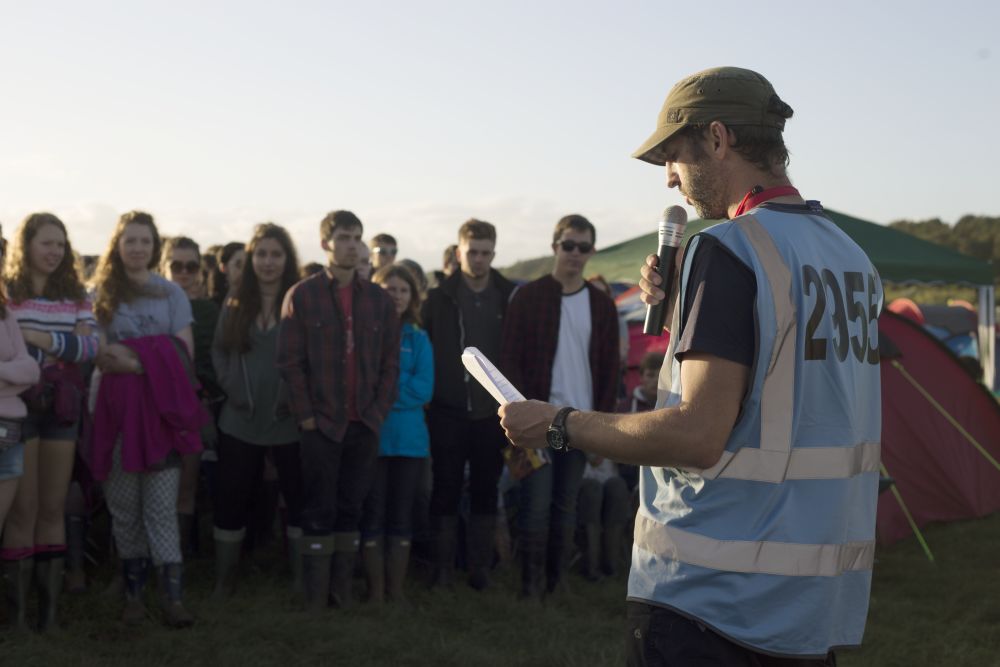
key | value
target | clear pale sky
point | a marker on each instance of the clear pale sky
(214, 116)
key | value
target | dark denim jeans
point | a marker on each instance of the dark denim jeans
(455, 440)
(336, 477)
(389, 506)
(548, 495)
(659, 637)
(604, 503)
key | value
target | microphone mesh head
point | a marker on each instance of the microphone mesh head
(671, 228)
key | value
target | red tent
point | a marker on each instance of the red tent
(940, 433)
(640, 344)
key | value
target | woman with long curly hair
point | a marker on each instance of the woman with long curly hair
(137, 447)
(56, 319)
(255, 421)
(18, 371)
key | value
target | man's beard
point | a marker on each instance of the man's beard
(705, 192)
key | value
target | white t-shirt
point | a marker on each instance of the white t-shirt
(572, 384)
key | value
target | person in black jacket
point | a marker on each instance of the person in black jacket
(467, 309)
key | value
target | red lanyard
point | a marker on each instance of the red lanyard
(759, 195)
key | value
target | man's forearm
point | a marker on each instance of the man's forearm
(659, 438)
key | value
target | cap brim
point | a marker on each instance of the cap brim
(651, 150)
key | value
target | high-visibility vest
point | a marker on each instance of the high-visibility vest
(773, 546)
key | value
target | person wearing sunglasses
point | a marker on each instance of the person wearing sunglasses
(560, 344)
(181, 264)
(384, 250)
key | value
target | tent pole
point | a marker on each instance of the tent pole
(909, 517)
(985, 333)
(944, 413)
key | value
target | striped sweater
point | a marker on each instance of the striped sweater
(59, 318)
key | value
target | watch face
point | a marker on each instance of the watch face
(555, 438)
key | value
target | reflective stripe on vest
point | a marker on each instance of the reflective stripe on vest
(778, 392)
(804, 463)
(781, 558)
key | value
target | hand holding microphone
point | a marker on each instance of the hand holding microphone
(671, 232)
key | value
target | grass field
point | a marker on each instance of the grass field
(945, 613)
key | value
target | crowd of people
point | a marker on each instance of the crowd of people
(170, 386)
(178, 383)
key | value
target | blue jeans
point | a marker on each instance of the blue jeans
(548, 495)
(12, 461)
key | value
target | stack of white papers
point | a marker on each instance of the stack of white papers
(490, 377)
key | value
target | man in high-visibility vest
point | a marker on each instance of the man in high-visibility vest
(755, 534)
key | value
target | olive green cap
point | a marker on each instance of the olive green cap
(730, 95)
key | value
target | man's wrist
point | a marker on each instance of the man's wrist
(557, 435)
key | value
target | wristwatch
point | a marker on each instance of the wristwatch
(556, 436)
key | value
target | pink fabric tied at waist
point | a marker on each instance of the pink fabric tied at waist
(155, 413)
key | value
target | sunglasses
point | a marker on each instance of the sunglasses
(385, 250)
(178, 266)
(570, 246)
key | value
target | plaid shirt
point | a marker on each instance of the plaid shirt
(531, 334)
(312, 351)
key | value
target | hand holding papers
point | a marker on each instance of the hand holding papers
(490, 377)
(520, 462)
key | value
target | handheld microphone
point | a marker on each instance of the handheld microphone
(671, 231)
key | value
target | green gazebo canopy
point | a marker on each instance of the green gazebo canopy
(899, 257)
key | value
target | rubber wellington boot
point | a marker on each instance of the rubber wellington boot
(317, 552)
(228, 546)
(444, 533)
(172, 593)
(49, 579)
(17, 575)
(76, 553)
(397, 560)
(559, 550)
(614, 551)
(345, 553)
(532, 548)
(373, 562)
(592, 552)
(135, 572)
(482, 533)
(294, 539)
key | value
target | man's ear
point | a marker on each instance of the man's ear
(720, 139)
(325, 245)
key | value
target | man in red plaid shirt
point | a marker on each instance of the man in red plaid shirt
(338, 352)
(560, 344)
